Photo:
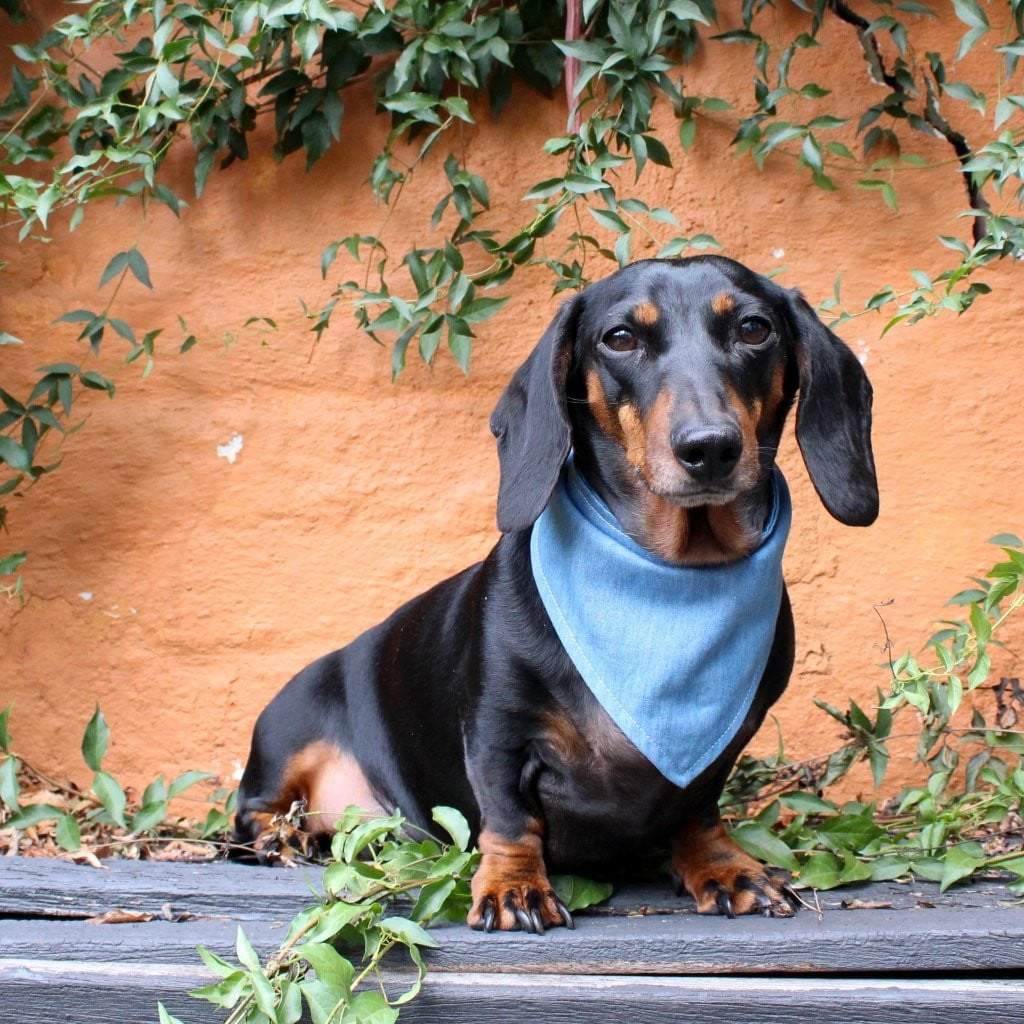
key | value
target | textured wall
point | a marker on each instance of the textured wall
(181, 589)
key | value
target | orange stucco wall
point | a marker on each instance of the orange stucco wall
(181, 590)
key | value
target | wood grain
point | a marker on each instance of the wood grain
(643, 958)
(39, 993)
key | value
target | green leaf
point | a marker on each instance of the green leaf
(1006, 540)
(970, 13)
(408, 931)
(97, 382)
(432, 899)
(330, 966)
(321, 999)
(580, 184)
(165, 1017)
(608, 219)
(109, 793)
(849, 831)
(216, 963)
(760, 842)
(854, 870)
(454, 823)
(185, 781)
(9, 788)
(333, 919)
(247, 956)
(226, 992)
(69, 836)
(148, 816)
(8, 564)
(481, 309)
(33, 814)
(967, 93)
(461, 346)
(579, 893)
(819, 871)
(884, 869)
(369, 1008)
(657, 153)
(956, 865)
(687, 133)
(138, 266)
(95, 740)
(807, 803)
(117, 264)
(5, 735)
(327, 257)
(289, 1010)
(981, 624)
(14, 455)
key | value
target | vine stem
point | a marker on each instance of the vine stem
(279, 960)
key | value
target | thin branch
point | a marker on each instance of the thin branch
(880, 73)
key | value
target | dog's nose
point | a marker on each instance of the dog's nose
(709, 454)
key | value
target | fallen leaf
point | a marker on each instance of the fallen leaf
(866, 905)
(120, 917)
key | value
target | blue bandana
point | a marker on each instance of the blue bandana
(674, 654)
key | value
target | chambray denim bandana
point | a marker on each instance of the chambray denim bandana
(674, 654)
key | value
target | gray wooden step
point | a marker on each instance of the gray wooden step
(644, 956)
(41, 992)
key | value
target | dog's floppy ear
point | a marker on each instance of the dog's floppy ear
(531, 424)
(833, 419)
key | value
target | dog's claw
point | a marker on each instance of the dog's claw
(524, 919)
(723, 902)
(490, 912)
(563, 910)
(538, 924)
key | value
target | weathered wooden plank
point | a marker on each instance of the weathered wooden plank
(56, 888)
(864, 941)
(39, 993)
(36, 886)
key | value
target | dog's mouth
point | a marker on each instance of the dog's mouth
(695, 497)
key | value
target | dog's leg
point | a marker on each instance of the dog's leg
(723, 879)
(511, 889)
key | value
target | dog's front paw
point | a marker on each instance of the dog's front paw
(723, 879)
(513, 905)
(511, 891)
(736, 889)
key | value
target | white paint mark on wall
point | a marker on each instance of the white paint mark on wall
(86, 595)
(236, 773)
(863, 351)
(778, 253)
(230, 450)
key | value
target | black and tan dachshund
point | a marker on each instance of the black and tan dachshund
(670, 381)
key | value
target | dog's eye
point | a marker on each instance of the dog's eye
(621, 339)
(755, 329)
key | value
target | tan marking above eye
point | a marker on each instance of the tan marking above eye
(646, 313)
(723, 303)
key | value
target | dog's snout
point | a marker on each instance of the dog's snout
(708, 453)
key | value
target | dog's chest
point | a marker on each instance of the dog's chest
(587, 756)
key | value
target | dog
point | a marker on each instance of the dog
(667, 385)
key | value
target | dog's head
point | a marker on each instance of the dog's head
(671, 379)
